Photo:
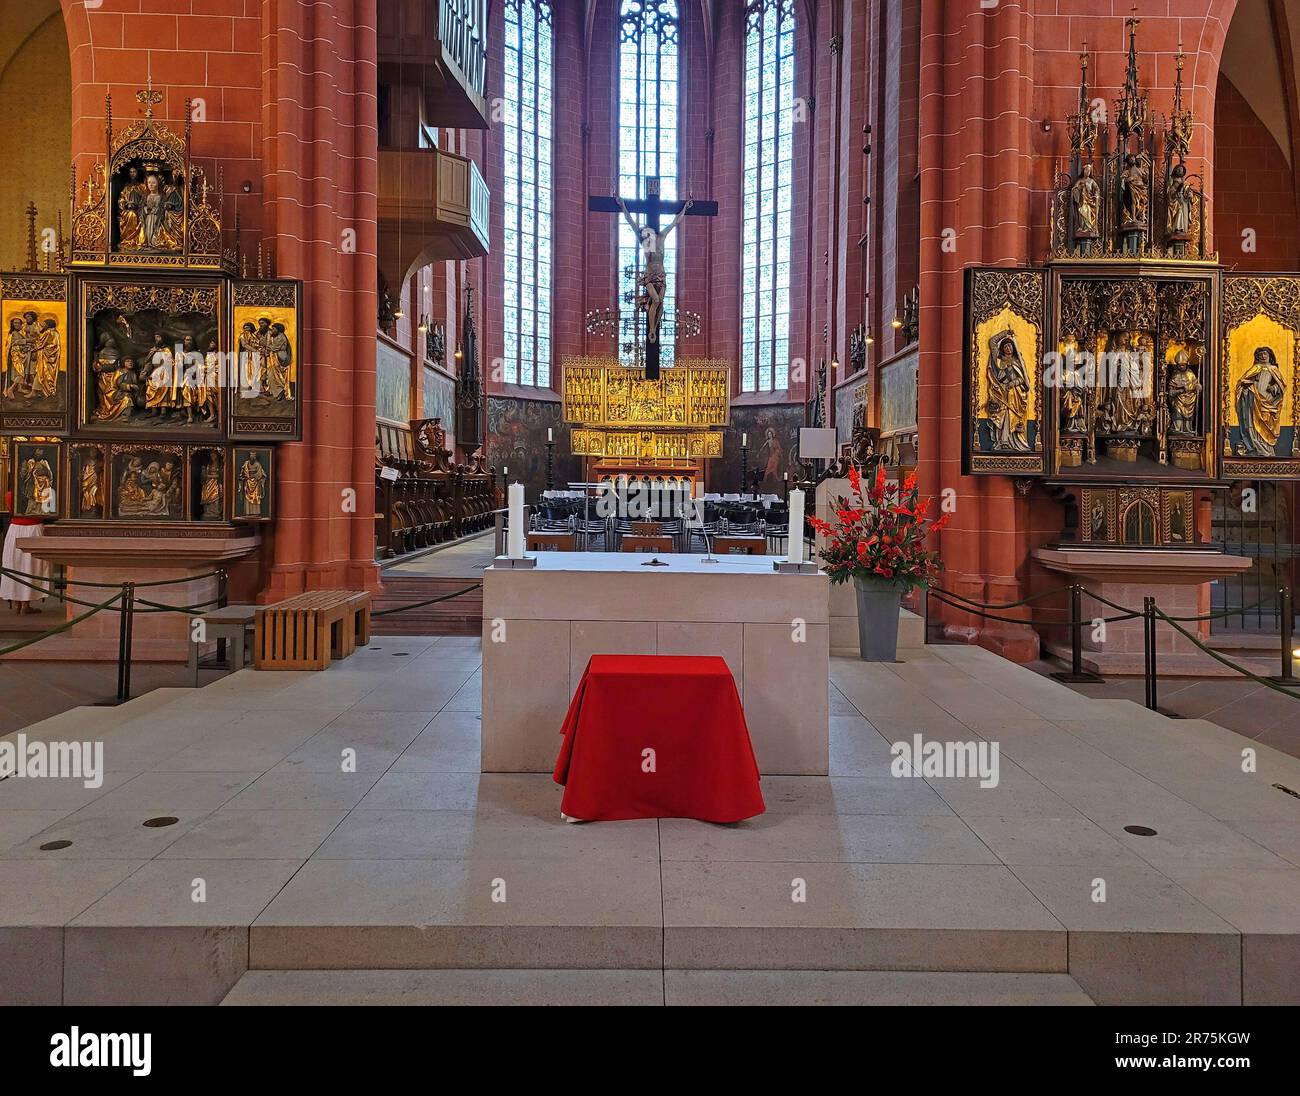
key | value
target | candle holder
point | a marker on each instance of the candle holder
(522, 563)
(550, 457)
(785, 567)
(744, 470)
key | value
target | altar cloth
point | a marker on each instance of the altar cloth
(657, 736)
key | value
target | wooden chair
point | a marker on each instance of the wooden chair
(551, 541)
(740, 546)
(633, 543)
(307, 631)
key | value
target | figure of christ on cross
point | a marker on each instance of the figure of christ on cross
(650, 239)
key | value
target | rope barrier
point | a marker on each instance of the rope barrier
(431, 601)
(1010, 604)
(62, 627)
(1149, 614)
(1226, 661)
(117, 585)
(156, 606)
(1070, 623)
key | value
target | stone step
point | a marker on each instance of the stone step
(650, 987)
(88, 720)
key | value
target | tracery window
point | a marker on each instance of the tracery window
(526, 123)
(767, 186)
(647, 132)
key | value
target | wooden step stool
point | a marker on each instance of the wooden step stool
(305, 632)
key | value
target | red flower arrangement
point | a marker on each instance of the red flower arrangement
(882, 536)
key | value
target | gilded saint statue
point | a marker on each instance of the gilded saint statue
(19, 358)
(252, 486)
(47, 351)
(1085, 197)
(112, 402)
(1129, 407)
(210, 489)
(1178, 207)
(1184, 390)
(653, 279)
(1007, 402)
(1134, 198)
(150, 214)
(92, 484)
(38, 486)
(1259, 393)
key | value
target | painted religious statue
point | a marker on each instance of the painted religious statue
(38, 485)
(252, 484)
(32, 351)
(1007, 402)
(1085, 197)
(150, 212)
(653, 279)
(1184, 390)
(1129, 408)
(1258, 397)
(1178, 206)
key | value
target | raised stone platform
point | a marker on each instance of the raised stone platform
(384, 878)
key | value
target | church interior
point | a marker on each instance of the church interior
(650, 502)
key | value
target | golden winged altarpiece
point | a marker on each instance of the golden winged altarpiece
(144, 368)
(1131, 369)
(663, 427)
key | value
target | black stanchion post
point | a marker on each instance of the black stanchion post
(1286, 625)
(1149, 638)
(1076, 671)
(121, 645)
(128, 622)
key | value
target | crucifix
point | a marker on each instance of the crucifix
(650, 239)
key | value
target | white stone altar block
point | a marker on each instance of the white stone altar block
(540, 627)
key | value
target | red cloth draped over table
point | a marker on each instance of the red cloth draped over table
(684, 708)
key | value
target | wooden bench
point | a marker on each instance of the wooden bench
(307, 631)
(228, 628)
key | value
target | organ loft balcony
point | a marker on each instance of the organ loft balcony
(439, 47)
(433, 206)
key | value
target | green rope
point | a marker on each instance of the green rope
(431, 601)
(1227, 661)
(114, 585)
(61, 627)
(1009, 604)
(1030, 620)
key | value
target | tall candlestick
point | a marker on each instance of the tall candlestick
(550, 434)
(795, 537)
(516, 541)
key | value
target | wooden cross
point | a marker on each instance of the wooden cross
(651, 206)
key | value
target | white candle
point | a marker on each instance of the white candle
(550, 434)
(505, 469)
(795, 538)
(515, 543)
(744, 439)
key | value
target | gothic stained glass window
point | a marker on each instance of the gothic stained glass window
(767, 185)
(647, 133)
(526, 123)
